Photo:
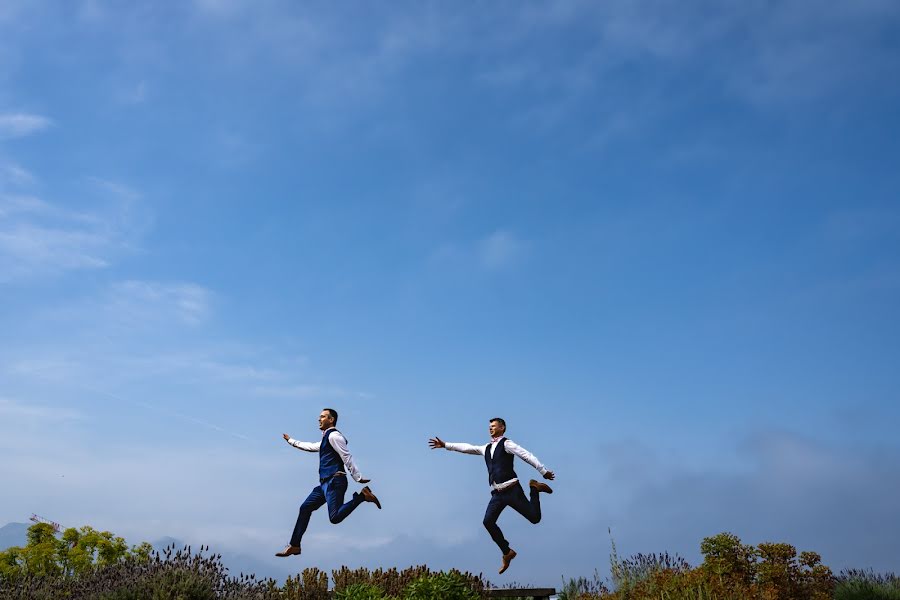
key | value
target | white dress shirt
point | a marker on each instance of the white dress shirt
(508, 446)
(339, 443)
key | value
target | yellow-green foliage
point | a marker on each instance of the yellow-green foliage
(394, 582)
(76, 551)
(311, 584)
(731, 570)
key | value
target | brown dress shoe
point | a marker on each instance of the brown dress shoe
(289, 551)
(368, 496)
(541, 487)
(507, 558)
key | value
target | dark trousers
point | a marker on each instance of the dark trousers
(332, 493)
(514, 497)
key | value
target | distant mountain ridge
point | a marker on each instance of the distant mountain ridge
(13, 534)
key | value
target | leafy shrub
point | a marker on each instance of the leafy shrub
(311, 584)
(77, 551)
(360, 591)
(731, 570)
(393, 582)
(441, 586)
(178, 575)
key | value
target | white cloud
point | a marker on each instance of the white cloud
(303, 391)
(496, 251)
(26, 249)
(135, 94)
(14, 125)
(149, 302)
(500, 249)
(12, 410)
(115, 188)
(39, 238)
(15, 175)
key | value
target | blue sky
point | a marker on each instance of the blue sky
(661, 239)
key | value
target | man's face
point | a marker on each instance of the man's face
(496, 429)
(325, 420)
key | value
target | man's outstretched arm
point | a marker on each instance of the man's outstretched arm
(437, 442)
(531, 459)
(305, 446)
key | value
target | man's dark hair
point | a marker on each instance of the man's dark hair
(333, 414)
(498, 420)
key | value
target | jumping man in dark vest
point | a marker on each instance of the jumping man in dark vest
(335, 462)
(505, 487)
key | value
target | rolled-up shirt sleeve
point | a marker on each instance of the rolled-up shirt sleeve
(531, 459)
(339, 443)
(305, 446)
(464, 448)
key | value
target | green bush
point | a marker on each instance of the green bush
(311, 584)
(360, 591)
(441, 586)
(731, 570)
(393, 582)
(172, 575)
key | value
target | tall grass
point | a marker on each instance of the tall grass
(854, 584)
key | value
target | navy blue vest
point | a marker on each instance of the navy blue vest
(330, 462)
(500, 466)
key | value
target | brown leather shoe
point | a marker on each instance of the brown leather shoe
(541, 487)
(507, 558)
(368, 496)
(289, 551)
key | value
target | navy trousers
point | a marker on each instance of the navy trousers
(332, 493)
(514, 497)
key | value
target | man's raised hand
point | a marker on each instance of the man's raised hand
(286, 437)
(436, 443)
(549, 475)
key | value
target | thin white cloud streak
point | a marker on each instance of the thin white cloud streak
(12, 409)
(115, 188)
(148, 302)
(500, 249)
(14, 175)
(39, 238)
(28, 249)
(17, 125)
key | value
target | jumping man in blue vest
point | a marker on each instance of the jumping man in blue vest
(505, 487)
(335, 462)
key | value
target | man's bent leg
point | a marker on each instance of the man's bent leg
(531, 510)
(315, 499)
(494, 508)
(338, 510)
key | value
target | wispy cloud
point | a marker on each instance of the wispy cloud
(134, 94)
(302, 391)
(14, 175)
(39, 238)
(15, 125)
(12, 410)
(115, 188)
(500, 249)
(150, 302)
